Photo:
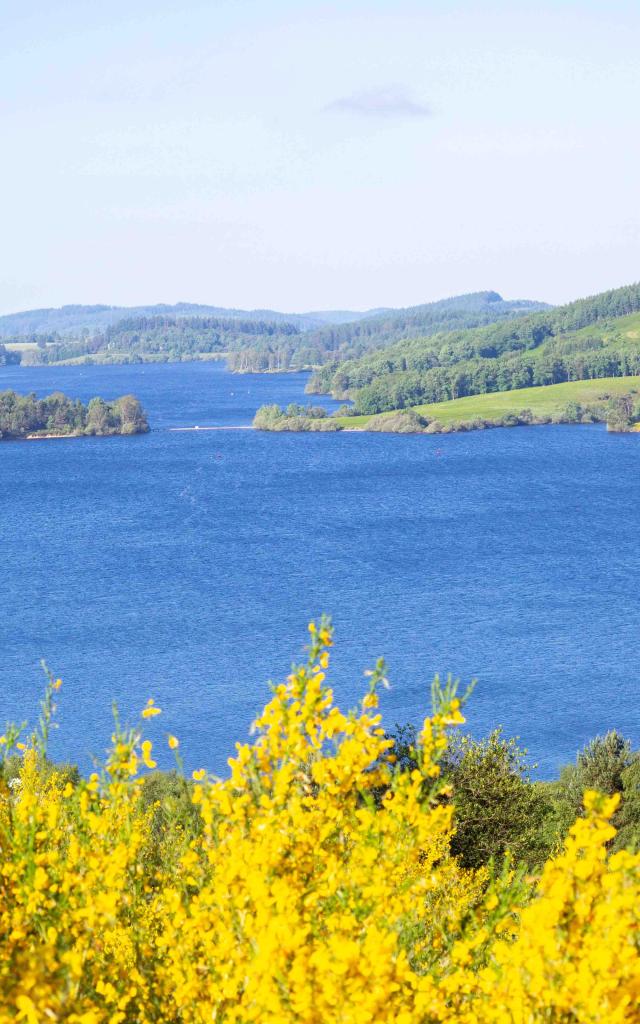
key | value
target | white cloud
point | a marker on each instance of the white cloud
(390, 101)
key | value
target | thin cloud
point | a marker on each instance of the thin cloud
(389, 102)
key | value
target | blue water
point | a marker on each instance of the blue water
(185, 566)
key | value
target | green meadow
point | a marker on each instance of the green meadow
(542, 401)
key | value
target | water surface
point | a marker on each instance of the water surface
(185, 566)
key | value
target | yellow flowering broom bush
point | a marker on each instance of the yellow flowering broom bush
(314, 884)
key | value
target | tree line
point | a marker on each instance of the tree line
(482, 376)
(164, 338)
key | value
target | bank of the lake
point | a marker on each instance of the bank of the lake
(542, 403)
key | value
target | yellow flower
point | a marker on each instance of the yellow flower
(26, 1010)
(151, 710)
(145, 748)
(312, 883)
(173, 742)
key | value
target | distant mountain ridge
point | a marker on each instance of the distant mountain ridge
(255, 341)
(73, 318)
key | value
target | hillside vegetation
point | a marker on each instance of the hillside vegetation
(459, 311)
(335, 874)
(334, 344)
(591, 338)
(251, 343)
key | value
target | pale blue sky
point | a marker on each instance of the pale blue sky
(303, 155)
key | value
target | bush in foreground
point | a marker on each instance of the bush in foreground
(316, 883)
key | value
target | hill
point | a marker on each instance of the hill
(591, 338)
(332, 345)
(386, 326)
(69, 320)
(256, 341)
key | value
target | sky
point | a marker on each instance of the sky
(298, 156)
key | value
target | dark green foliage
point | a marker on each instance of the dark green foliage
(628, 822)
(508, 373)
(498, 808)
(601, 765)
(24, 415)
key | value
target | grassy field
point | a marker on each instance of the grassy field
(542, 401)
(620, 328)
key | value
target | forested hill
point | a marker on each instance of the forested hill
(333, 344)
(252, 342)
(387, 326)
(594, 337)
(164, 338)
(71, 320)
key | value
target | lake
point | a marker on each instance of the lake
(185, 566)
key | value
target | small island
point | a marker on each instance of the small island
(294, 418)
(27, 417)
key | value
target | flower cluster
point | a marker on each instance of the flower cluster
(314, 884)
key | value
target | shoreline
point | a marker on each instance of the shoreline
(47, 437)
(63, 437)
